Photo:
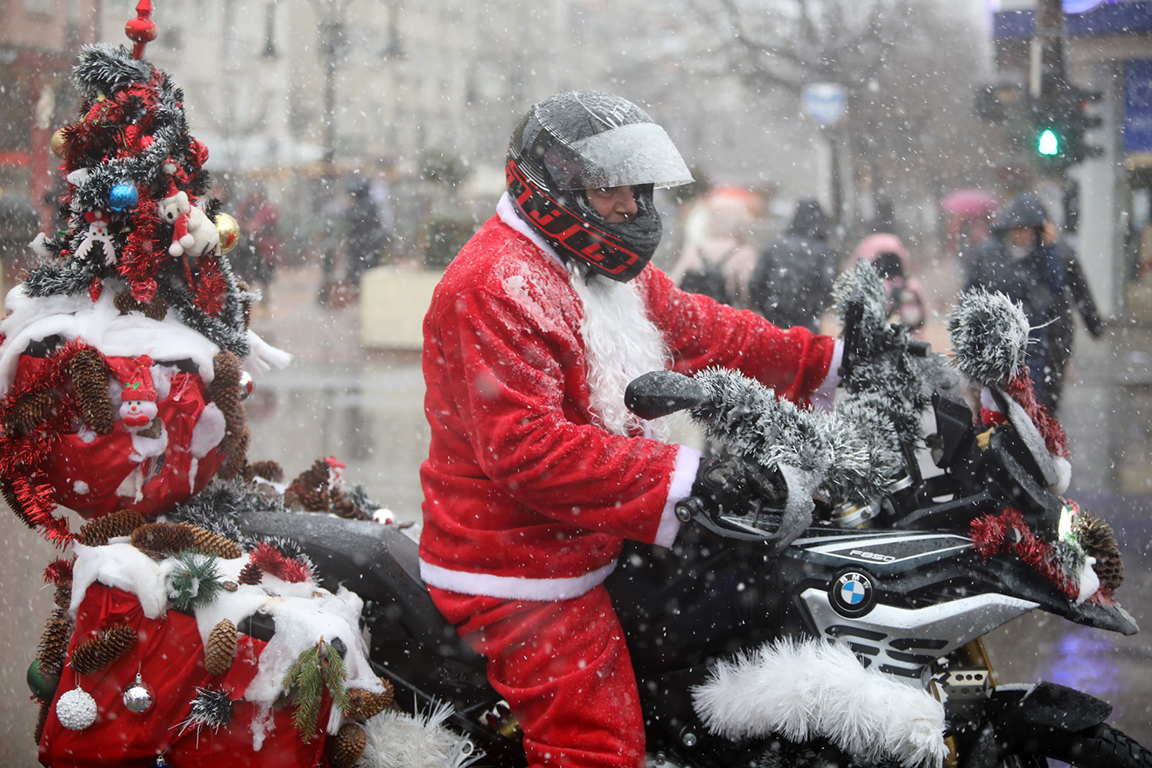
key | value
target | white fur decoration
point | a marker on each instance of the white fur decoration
(810, 688)
(622, 343)
(398, 740)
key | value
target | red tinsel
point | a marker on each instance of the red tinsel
(138, 262)
(1020, 389)
(270, 560)
(207, 284)
(991, 535)
(23, 456)
(59, 571)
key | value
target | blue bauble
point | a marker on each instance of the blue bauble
(123, 197)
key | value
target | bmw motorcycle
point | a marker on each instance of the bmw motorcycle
(780, 634)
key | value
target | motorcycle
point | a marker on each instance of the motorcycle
(842, 627)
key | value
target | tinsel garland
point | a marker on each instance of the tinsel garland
(315, 670)
(989, 335)
(271, 561)
(15, 505)
(23, 456)
(211, 708)
(1021, 389)
(59, 571)
(219, 506)
(992, 535)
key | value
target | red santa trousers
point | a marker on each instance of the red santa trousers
(564, 669)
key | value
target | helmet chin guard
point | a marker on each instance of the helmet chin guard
(586, 139)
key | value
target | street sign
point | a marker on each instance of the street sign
(823, 102)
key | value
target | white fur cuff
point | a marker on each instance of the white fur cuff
(807, 689)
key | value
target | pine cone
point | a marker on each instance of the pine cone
(157, 309)
(14, 504)
(221, 648)
(108, 645)
(63, 596)
(269, 470)
(27, 412)
(54, 642)
(1098, 540)
(90, 382)
(209, 543)
(364, 705)
(347, 746)
(161, 540)
(225, 391)
(237, 454)
(98, 532)
(42, 720)
(250, 574)
(345, 507)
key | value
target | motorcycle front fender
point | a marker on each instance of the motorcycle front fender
(1045, 705)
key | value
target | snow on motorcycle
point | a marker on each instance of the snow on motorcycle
(836, 619)
(205, 612)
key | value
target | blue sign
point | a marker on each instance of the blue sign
(1138, 106)
(823, 102)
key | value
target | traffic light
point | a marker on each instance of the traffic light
(1059, 127)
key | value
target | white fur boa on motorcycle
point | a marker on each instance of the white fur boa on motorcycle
(810, 688)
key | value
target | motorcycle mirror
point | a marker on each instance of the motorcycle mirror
(659, 393)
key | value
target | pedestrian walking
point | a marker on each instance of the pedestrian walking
(906, 302)
(1044, 275)
(792, 282)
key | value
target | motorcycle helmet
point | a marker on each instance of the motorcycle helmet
(582, 140)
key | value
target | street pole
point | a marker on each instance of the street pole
(1048, 71)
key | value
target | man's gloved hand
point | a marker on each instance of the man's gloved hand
(733, 485)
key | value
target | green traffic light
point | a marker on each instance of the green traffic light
(1048, 144)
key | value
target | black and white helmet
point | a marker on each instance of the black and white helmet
(582, 140)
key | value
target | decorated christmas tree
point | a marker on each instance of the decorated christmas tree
(124, 359)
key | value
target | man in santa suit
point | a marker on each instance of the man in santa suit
(536, 471)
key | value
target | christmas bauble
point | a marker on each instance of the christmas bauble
(123, 197)
(42, 684)
(247, 385)
(138, 696)
(76, 710)
(57, 143)
(229, 231)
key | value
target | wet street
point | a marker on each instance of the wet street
(364, 407)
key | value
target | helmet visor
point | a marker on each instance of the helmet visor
(635, 154)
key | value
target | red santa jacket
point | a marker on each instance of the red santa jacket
(525, 497)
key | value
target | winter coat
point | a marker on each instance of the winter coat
(792, 282)
(525, 496)
(1047, 283)
(906, 302)
(367, 237)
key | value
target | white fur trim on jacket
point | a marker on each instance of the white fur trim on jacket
(513, 587)
(679, 487)
(810, 688)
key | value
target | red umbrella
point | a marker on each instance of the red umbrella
(970, 203)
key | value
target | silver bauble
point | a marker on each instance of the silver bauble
(138, 696)
(76, 710)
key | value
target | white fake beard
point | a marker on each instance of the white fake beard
(621, 343)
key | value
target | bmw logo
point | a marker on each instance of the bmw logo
(852, 594)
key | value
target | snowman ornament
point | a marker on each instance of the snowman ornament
(138, 399)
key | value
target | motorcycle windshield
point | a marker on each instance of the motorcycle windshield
(629, 155)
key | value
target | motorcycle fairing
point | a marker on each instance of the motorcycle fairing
(906, 642)
(883, 551)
